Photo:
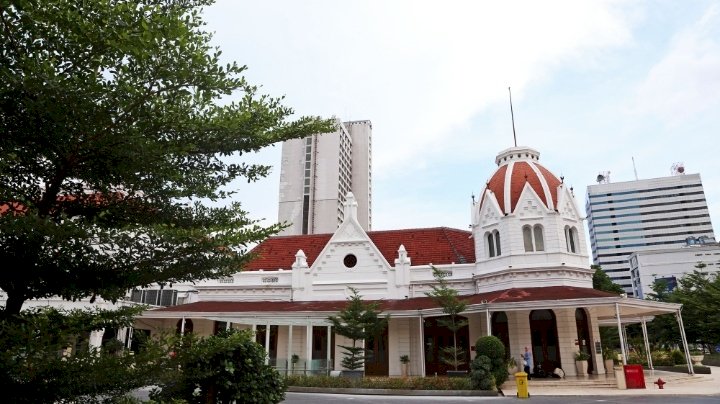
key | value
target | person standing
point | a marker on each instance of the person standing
(527, 361)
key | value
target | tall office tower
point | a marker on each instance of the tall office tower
(316, 174)
(642, 215)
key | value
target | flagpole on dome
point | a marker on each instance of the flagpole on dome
(512, 116)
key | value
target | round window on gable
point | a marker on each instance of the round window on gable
(350, 261)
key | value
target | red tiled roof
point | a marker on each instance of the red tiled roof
(522, 173)
(549, 293)
(439, 245)
(497, 186)
(279, 252)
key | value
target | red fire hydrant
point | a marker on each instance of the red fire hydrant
(660, 382)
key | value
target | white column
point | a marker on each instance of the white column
(422, 347)
(254, 330)
(620, 333)
(182, 327)
(96, 339)
(267, 342)
(130, 337)
(308, 345)
(289, 350)
(647, 343)
(487, 321)
(329, 348)
(691, 370)
(227, 326)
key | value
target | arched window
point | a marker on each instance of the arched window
(527, 238)
(539, 241)
(571, 239)
(493, 243)
(533, 238)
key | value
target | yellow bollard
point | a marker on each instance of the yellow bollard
(522, 384)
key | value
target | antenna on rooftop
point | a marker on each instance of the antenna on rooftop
(634, 168)
(512, 116)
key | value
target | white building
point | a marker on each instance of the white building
(671, 264)
(318, 171)
(643, 215)
(523, 270)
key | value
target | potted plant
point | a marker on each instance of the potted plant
(358, 321)
(404, 361)
(696, 356)
(447, 298)
(609, 358)
(512, 366)
(581, 362)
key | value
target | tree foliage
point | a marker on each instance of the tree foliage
(449, 300)
(699, 293)
(601, 281)
(358, 321)
(112, 127)
(225, 368)
(36, 365)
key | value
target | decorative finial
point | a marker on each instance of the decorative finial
(473, 197)
(562, 179)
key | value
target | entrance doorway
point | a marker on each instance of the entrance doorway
(438, 337)
(543, 331)
(376, 364)
(499, 327)
(583, 332)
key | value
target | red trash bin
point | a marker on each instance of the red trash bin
(634, 376)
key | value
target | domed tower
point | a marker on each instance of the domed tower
(527, 228)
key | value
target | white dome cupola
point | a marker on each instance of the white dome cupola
(526, 218)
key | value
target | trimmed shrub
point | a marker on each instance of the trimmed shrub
(494, 349)
(661, 358)
(677, 357)
(223, 368)
(395, 383)
(481, 374)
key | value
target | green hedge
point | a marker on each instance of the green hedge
(394, 383)
(712, 360)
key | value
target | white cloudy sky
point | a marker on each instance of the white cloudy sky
(594, 85)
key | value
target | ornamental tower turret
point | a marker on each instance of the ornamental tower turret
(527, 219)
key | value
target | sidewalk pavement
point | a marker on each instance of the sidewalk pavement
(678, 384)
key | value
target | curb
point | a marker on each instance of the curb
(392, 392)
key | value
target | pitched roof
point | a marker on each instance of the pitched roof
(550, 293)
(439, 245)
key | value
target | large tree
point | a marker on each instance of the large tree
(113, 128)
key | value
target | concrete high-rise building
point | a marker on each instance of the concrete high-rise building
(317, 172)
(642, 215)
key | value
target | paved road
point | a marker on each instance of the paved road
(312, 398)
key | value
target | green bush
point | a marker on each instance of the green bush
(677, 357)
(712, 359)
(394, 383)
(481, 374)
(35, 366)
(494, 349)
(636, 358)
(661, 358)
(223, 368)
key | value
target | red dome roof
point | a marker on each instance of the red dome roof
(519, 166)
